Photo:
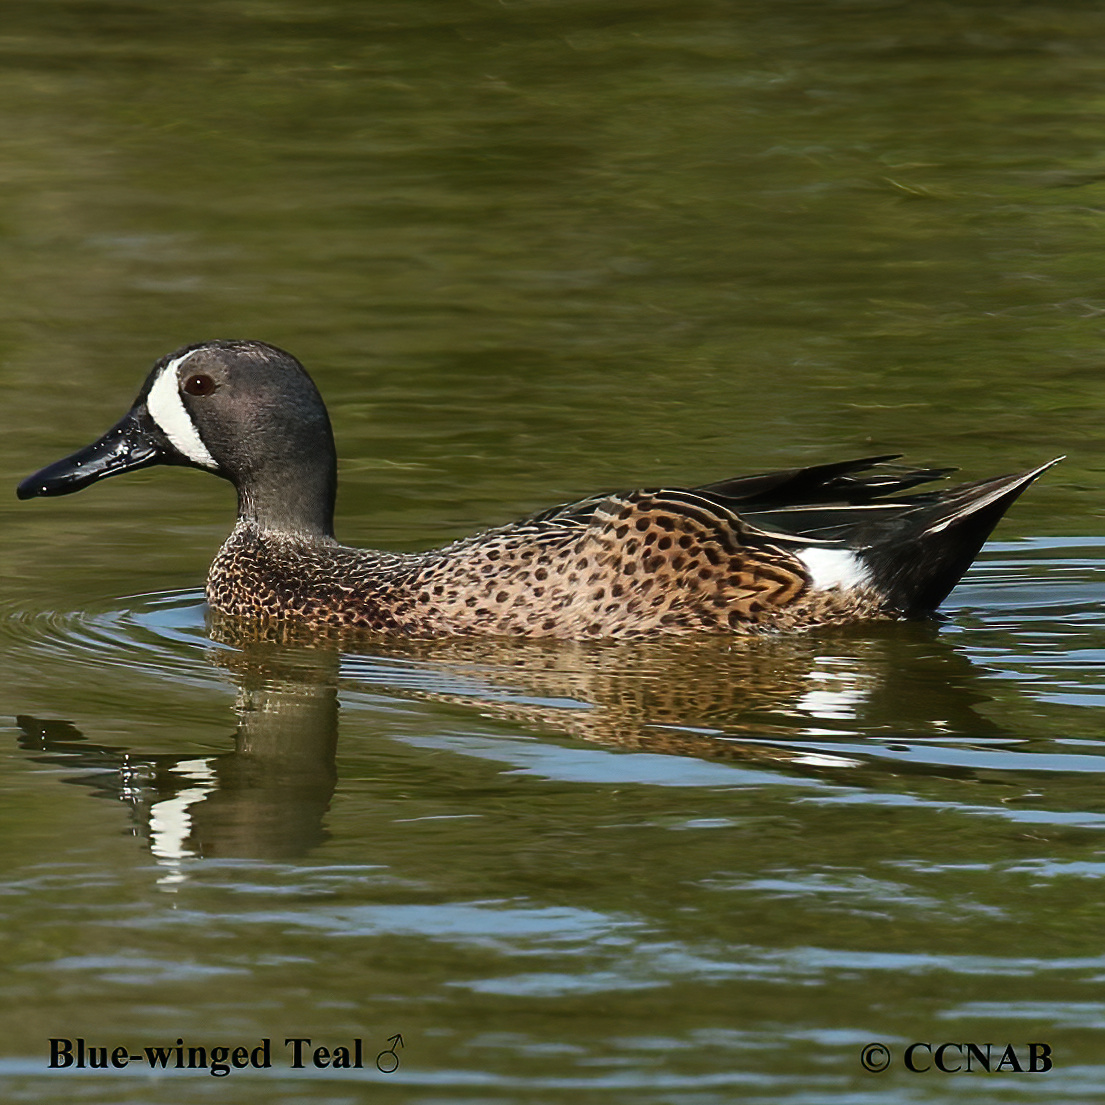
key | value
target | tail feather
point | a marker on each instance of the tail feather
(917, 555)
(852, 482)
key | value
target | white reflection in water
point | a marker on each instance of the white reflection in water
(171, 821)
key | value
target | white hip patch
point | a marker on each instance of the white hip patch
(167, 410)
(831, 568)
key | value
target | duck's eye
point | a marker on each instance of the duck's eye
(199, 384)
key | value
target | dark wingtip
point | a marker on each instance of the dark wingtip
(918, 558)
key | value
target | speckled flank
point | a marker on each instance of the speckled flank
(643, 564)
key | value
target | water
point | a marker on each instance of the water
(530, 251)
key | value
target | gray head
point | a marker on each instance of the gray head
(244, 410)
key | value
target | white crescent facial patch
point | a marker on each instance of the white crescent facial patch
(167, 410)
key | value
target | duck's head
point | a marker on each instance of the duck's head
(244, 410)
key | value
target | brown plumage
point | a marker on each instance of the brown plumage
(634, 565)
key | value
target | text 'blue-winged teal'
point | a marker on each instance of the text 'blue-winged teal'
(821, 545)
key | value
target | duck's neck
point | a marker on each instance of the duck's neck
(290, 500)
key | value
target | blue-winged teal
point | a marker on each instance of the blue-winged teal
(809, 546)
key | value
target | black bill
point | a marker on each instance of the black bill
(135, 441)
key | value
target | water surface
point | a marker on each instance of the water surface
(530, 251)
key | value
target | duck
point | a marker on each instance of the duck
(792, 549)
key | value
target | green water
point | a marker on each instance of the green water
(532, 250)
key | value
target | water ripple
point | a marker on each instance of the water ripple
(162, 634)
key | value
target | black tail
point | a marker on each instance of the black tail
(918, 554)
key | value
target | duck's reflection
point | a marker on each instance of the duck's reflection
(269, 795)
(264, 799)
(779, 701)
